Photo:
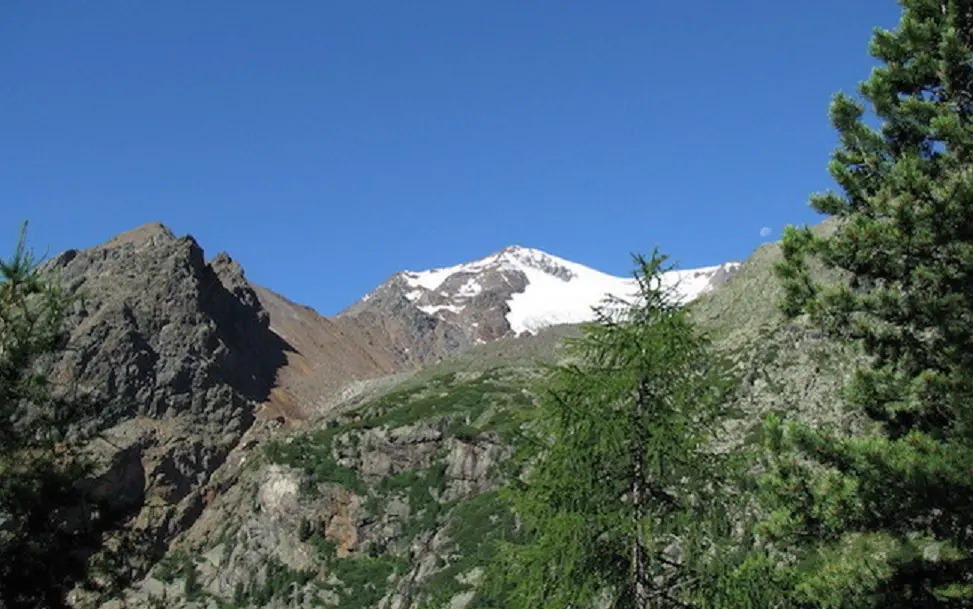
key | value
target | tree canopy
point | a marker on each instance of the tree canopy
(621, 505)
(885, 518)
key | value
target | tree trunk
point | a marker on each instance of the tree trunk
(639, 566)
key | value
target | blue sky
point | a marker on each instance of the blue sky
(326, 145)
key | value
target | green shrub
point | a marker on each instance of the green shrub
(364, 579)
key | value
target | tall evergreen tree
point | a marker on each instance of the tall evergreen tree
(618, 509)
(885, 519)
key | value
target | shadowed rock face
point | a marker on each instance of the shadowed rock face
(176, 353)
(159, 332)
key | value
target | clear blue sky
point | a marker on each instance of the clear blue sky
(326, 144)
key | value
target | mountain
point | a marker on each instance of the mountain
(236, 422)
(176, 354)
(389, 498)
(515, 291)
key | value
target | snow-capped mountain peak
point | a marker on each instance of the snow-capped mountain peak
(512, 258)
(519, 257)
(520, 289)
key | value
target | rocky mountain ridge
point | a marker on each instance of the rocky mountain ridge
(177, 355)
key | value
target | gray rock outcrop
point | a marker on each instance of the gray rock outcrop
(175, 353)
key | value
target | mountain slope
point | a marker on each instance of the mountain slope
(326, 355)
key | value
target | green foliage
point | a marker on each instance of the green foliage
(420, 487)
(883, 519)
(753, 582)
(425, 509)
(168, 567)
(45, 516)
(469, 405)
(191, 587)
(364, 579)
(476, 526)
(465, 402)
(312, 453)
(32, 313)
(480, 519)
(402, 481)
(280, 582)
(326, 548)
(623, 503)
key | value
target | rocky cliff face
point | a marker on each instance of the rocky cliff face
(176, 353)
(157, 326)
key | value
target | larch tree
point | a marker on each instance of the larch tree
(622, 507)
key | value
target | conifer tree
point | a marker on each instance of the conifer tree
(619, 508)
(885, 518)
(43, 531)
